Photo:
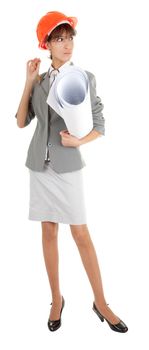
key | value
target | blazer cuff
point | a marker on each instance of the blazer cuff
(99, 129)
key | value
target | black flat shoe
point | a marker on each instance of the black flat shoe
(119, 327)
(54, 325)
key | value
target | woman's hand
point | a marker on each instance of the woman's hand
(32, 69)
(69, 140)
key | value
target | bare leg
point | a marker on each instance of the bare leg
(88, 255)
(51, 258)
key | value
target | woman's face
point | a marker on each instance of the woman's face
(61, 48)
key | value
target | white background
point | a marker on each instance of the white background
(112, 42)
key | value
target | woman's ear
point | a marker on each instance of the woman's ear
(47, 44)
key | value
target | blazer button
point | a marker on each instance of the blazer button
(49, 144)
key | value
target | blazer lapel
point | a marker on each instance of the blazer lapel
(44, 85)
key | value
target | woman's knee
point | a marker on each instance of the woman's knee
(80, 234)
(49, 229)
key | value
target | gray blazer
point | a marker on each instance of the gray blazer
(49, 124)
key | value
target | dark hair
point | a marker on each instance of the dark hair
(57, 32)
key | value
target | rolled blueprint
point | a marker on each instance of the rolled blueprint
(69, 96)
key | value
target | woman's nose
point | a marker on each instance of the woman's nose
(68, 43)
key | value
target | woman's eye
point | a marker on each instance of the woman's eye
(59, 39)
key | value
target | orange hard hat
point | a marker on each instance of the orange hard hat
(49, 22)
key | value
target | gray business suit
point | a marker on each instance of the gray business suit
(63, 159)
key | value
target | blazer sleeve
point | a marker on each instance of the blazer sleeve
(30, 113)
(97, 107)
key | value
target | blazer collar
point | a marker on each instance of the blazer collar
(44, 81)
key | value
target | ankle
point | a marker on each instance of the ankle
(56, 298)
(101, 305)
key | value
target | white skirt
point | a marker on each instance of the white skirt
(57, 197)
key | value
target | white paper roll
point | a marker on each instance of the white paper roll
(69, 96)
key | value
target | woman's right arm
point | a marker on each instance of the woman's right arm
(32, 71)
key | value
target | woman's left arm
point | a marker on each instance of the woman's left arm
(69, 140)
(90, 137)
(97, 107)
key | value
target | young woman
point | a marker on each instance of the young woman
(55, 166)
